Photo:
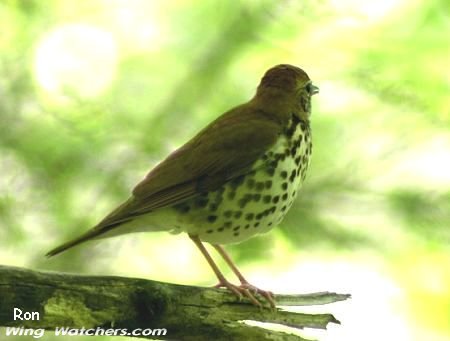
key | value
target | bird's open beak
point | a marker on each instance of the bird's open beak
(315, 89)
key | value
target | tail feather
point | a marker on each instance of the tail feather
(98, 231)
(117, 217)
(74, 242)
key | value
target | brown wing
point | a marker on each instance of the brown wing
(225, 149)
(222, 151)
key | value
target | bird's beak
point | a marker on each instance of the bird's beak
(315, 89)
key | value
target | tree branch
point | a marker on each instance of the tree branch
(186, 312)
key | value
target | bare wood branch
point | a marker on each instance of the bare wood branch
(186, 312)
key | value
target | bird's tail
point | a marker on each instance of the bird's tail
(74, 242)
(117, 217)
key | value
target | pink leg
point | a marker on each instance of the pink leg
(237, 290)
(244, 283)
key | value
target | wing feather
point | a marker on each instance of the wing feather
(225, 149)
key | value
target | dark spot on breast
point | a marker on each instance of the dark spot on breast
(292, 125)
(244, 200)
(231, 195)
(256, 224)
(220, 229)
(284, 174)
(236, 228)
(283, 208)
(270, 170)
(267, 199)
(275, 199)
(259, 186)
(209, 231)
(227, 224)
(237, 214)
(201, 202)
(236, 234)
(227, 214)
(236, 182)
(285, 196)
(284, 186)
(249, 216)
(213, 207)
(298, 159)
(293, 151)
(259, 216)
(268, 184)
(250, 183)
(212, 218)
(293, 175)
(242, 203)
(256, 197)
(247, 226)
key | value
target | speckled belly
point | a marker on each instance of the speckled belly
(252, 203)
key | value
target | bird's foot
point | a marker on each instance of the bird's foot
(268, 295)
(249, 291)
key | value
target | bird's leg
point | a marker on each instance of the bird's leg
(268, 295)
(223, 282)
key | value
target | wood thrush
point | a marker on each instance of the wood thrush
(236, 178)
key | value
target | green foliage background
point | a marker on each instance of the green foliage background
(373, 218)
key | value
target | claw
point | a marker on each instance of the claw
(249, 291)
(268, 295)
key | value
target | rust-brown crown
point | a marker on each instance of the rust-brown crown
(284, 76)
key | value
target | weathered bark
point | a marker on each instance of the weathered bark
(186, 312)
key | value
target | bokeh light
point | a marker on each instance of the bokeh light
(76, 60)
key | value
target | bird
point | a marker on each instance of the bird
(235, 179)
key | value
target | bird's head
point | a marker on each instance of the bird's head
(286, 89)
